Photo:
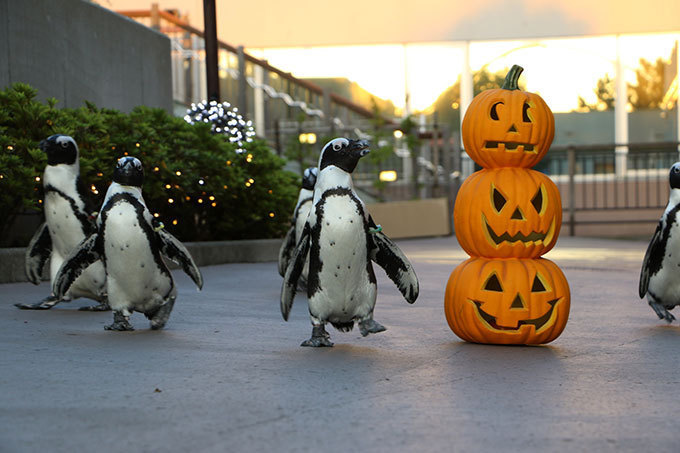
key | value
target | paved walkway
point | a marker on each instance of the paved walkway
(227, 373)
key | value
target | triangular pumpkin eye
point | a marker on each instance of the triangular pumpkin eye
(498, 200)
(537, 201)
(493, 284)
(538, 286)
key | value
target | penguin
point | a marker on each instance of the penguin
(342, 240)
(659, 280)
(302, 208)
(68, 221)
(130, 243)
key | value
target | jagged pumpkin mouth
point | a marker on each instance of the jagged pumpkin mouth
(535, 237)
(538, 323)
(509, 146)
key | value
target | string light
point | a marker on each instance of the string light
(271, 214)
(214, 204)
(37, 179)
(187, 198)
(167, 186)
(155, 169)
(211, 198)
(2, 176)
(224, 119)
(100, 174)
(171, 201)
(10, 147)
(200, 200)
(137, 145)
(156, 214)
(174, 222)
(228, 162)
(226, 186)
(201, 182)
(178, 173)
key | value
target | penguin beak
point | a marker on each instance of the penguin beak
(43, 145)
(359, 147)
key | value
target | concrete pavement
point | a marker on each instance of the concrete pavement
(227, 373)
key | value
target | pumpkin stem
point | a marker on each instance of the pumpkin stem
(511, 80)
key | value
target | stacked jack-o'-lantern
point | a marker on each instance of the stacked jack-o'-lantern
(506, 216)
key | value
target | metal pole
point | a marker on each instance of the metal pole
(242, 84)
(210, 37)
(571, 158)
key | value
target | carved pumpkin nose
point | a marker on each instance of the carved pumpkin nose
(518, 302)
(517, 215)
(512, 128)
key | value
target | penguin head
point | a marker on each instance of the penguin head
(129, 172)
(60, 149)
(674, 177)
(343, 153)
(309, 178)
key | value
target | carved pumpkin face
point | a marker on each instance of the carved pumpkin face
(513, 301)
(506, 127)
(507, 212)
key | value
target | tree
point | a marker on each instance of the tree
(447, 104)
(647, 93)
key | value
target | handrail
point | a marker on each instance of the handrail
(356, 108)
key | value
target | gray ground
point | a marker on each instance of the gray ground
(227, 373)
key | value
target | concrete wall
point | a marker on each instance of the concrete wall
(416, 218)
(75, 51)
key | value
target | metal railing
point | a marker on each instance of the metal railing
(278, 103)
(598, 180)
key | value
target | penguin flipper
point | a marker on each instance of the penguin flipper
(37, 253)
(84, 254)
(286, 250)
(389, 256)
(175, 250)
(654, 244)
(293, 271)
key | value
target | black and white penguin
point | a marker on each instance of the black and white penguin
(130, 243)
(659, 280)
(302, 208)
(342, 240)
(68, 221)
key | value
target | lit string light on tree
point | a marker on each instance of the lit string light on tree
(224, 120)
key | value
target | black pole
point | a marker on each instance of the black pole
(210, 38)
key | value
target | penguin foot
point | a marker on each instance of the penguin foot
(160, 318)
(662, 312)
(320, 338)
(45, 304)
(100, 307)
(120, 323)
(370, 326)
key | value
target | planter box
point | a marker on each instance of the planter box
(410, 219)
(204, 254)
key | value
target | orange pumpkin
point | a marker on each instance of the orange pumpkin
(507, 301)
(506, 127)
(507, 212)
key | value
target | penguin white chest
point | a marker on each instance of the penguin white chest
(345, 287)
(65, 228)
(665, 284)
(133, 275)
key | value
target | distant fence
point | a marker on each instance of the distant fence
(273, 99)
(591, 185)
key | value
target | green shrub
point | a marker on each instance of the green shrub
(194, 180)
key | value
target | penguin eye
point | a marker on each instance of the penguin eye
(676, 169)
(64, 144)
(337, 146)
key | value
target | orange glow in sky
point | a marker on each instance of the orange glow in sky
(559, 70)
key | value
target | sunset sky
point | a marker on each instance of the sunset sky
(322, 39)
